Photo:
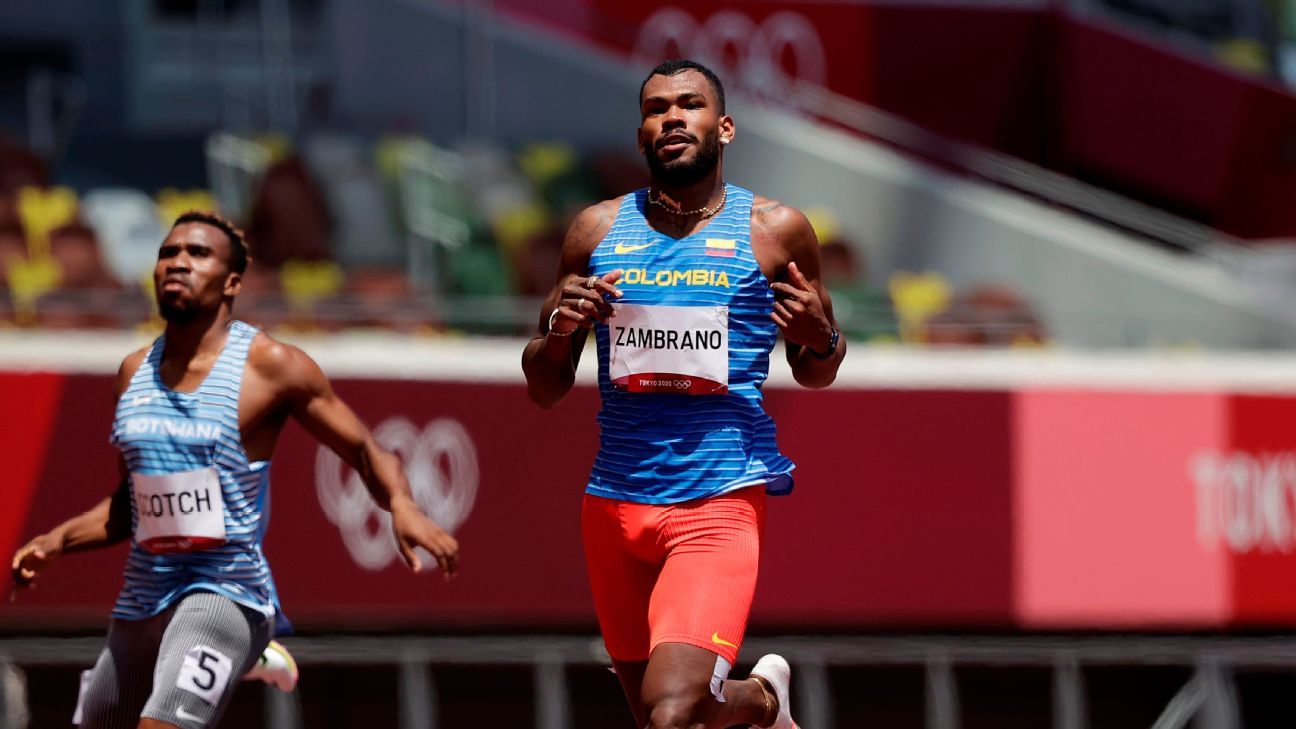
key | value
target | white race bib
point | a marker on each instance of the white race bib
(179, 512)
(205, 672)
(680, 349)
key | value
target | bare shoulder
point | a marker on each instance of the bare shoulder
(589, 227)
(129, 366)
(772, 216)
(278, 361)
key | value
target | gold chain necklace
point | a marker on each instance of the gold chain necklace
(705, 212)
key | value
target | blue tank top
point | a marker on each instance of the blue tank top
(662, 447)
(162, 433)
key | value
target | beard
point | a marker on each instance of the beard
(680, 172)
(178, 313)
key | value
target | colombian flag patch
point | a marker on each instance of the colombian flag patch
(721, 247)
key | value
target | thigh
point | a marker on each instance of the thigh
(209, 643)
(122, 678)
(631, 676)
(704, 593)
(620, 582)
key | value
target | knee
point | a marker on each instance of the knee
(680, 710)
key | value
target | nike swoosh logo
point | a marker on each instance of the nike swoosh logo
(715, 638)
(623, 248)
(182, 714)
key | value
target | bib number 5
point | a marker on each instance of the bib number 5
(205, 673)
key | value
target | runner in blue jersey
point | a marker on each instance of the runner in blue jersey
(198, 415)
(687, 286)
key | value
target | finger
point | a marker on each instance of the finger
(601, 306)
(604, 287)
(789, 291)
(21, 555)
(795, 275)
(601, 295)
(777, 320)
(782, 311)
(449, 565)
(411, 559)
(570, 312)
(577, 298)
(595, 308)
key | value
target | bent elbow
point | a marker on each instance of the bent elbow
(814, 380)
(545, 400)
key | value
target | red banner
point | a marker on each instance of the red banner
(921, 508)
(1107, 529)
(862, 540)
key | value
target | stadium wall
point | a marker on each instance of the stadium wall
(960, 490)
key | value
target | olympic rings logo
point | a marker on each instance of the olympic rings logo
(441, 464)
(759, 48)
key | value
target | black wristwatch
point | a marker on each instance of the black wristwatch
(832, 346)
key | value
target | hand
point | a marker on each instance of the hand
(413, 529)
(799, 312)
(584, 302)
(34, 558)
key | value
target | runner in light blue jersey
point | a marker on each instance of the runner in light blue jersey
(687, 285)
(198, 415)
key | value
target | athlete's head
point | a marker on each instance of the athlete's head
(200, 266)
(682, 122)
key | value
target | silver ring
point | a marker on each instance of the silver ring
(591, 282)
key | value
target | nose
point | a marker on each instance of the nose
(178, 263)
(673, 119)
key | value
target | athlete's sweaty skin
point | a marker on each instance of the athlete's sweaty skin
(196, 284)
(680, 116)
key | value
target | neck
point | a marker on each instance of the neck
(705, 193)
(205, 335)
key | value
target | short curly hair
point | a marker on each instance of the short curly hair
(239, 254)
(676, 66)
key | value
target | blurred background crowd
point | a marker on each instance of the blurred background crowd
(381, 162)
(117, 119)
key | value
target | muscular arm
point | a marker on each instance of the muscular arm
(549, 362)
(803, 308)
(311, 401)
(103, 525)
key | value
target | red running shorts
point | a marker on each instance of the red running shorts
(674, 573)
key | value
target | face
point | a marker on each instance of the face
(681, 128)
(192, 275)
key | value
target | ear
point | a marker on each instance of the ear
(233, 284)
(727, 129)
